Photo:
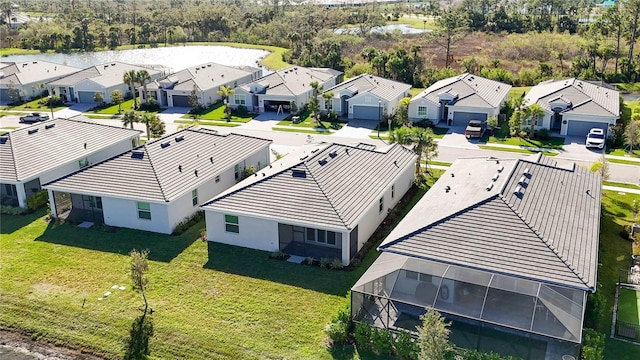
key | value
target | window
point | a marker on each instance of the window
(311, 234)
(83, 162)
(236, 171)
(411, 275)
(98, 202)
(194, 197)
(322, 236)
(393, 191)
(240, 100)
(231, 224)
(144, 210)
(217, 179)
(333, 237)
(10, 190)
(422, 111)
(381, 205)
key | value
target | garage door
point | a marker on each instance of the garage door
(181, 101)
(86, 97)
(461, 118)
(581, 128)
(367, 112)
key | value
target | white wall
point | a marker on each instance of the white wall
(255, 233)
(124, 213)
(433, 110)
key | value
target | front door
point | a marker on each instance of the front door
(557, 121)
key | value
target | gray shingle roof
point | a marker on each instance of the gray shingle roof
(206, 76)
(156, 175)
(26, 153)
(583, 97)
(294, 80)
(548, 232)
(380, 87)
(334, 192)
(107, 75)
(470, 90)
(28, 72)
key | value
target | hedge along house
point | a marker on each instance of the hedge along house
(572, 106)
(156, 186)
(45, 151)
(366, 97)
(28, 78)
(174, 90)
(505, 249)
(276, 91)
(82, 86)
(458, 99)
(323, 202)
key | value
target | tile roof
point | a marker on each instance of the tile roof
(106, 75)
(547, 232)
(377, 86)
(583, 97)
(156, 171)
(34, 149)
(330, 185)
(293, 81)
(28, 72)
(206, 76)
(468, 90)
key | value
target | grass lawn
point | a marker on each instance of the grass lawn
(414, 23)
(216, 112)
(208, 123)
(623, 152)
(302, 130)
(308, 122)
(614, 255)
(517, 91)
(619, 184)
(106, 117)
(439, 163)
(113, 109)
(628, 305)
(34, 106)
(415, 91)
(438, 132)
(17, 51)
(628, 86)
(551, 143)
(625, 162)
(523, 151)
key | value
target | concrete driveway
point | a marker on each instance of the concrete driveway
(575, 149)
(357, 129)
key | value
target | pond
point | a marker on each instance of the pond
(175, 57)
(403, 28)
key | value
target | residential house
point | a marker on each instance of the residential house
(366, 97)
(323, 202)
(82, 86)
(157, 185)
(28, 78)
(506, 249)
(45, 151)
(174, 90)
(574, 106)
(458, 99)
(278, 90)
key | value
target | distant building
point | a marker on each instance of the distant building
(28, 78)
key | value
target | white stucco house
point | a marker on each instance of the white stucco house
(276, 91)
(45, 151)
(157, 185)
(82, 86)
(29, 78)
(324, 201)
(366, 97)
(574, 106)
(174, 90)
(458, 99)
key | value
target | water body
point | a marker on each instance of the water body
(175, 57)
(403, 28)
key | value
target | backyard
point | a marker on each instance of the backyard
(628, 305)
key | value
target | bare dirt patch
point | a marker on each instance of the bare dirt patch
(15, 346)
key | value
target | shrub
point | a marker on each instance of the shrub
(382, 342)
(278, 255)
(362, 335)
(150, 105)
(308, 260)
(405, 345)
(325, 262)
(37, 200)
(625, 233)
(188, 222)
(425, 123)
(12, 210)
(543, 134)
(241, 110)
(340, 325)
(595, 309)
(592, 345)
(51, 101)
(336, 264)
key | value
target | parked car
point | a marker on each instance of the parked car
(595, 139)
(475, 129)
(33, 117)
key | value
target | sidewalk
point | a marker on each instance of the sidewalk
(620, 189)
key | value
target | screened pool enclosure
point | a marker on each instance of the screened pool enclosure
(489, 311)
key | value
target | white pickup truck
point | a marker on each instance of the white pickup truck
(33, 117)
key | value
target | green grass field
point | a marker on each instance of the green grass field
(623, 152)
(301, 130)
(517, 91)
(208, 123)
(625, 162)
(310, 123)
(414, 23)
(629, 306)
(35, 107)
(415, 91)
(113, 109)
(551, 143)
(216, 112)
(522, 151)
(619, 184)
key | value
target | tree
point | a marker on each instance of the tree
(402, 114)
(314, 105)
(534, 112)
(515, 122)
(225, 92)
(97, 97)
(194, 100)
(131, 78)
(631, 10)
(143, 78)
(156, 127)
(148, 119)
(129, 118)
(452, 26)
(327, 96)
(601, 167)
(433, 336)
(421, 140)
(7, 11)
(139, 267)
(632, 134)
(116, 98)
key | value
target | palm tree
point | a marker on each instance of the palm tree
(420, 140)
(534, 112)
(148, 119)
(131, 77)
(129, 118)
(327, 98)
(143, 78)
(225, 92)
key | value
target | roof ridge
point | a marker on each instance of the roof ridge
(13, 157)
(544, 240)
(340, 216)
(155, 173)
(92, 123)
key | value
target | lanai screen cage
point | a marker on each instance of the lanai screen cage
(396, 289)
